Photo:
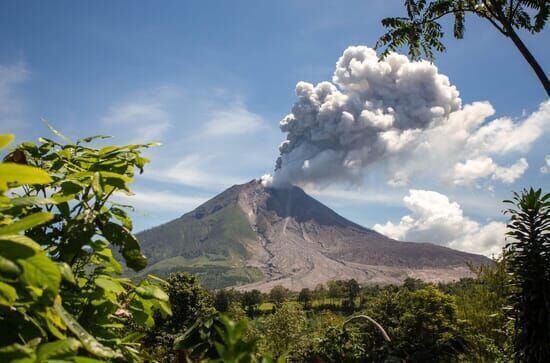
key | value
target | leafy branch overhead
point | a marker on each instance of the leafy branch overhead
(422, 32)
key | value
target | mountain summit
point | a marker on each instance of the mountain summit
(258, 237)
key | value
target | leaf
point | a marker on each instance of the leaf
(89, 342)
(66, 272)
(9, 268)
(17, 246)
(59, 349)
(107, 283)
(120, 236)
(21, 174)
(25, 201)
(152, 292)
(41, 272)
(27, 222)
(5, 140)
(91, 138)
(59, 134)
(8, 294)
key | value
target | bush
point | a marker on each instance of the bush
(60, 296)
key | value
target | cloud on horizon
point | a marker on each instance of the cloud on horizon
(434, 218)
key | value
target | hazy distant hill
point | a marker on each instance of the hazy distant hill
(258, 237)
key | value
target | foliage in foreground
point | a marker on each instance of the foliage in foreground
(60, 296)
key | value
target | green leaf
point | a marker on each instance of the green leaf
(59, 349)
(89, 342)
(91, 138)
(8, 294)
(66, 272)
(9, 268)
(5, 140)
(17, 246)
(108, 283)
(17, 174)
(41, 272)
(25, 201)
(27, 222)
(59, 134)
(120, 236)
(152, 292)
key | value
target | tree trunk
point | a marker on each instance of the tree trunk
(528, 56)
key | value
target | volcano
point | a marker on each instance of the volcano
(253, 237)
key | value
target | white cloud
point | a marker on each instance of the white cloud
(11, 105)
(482, 167)
(198, 170)
(434, 218)
(236, 119)
(155, 201)
(545, 169)
(144, 117)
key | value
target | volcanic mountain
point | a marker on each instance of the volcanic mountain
(251, 236)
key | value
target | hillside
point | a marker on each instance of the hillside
(257, 237)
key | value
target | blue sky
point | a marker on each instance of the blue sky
(212, 80)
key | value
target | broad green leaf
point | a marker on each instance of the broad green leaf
(122, 216)
(8, 294)
(39, 271)
(27, 222)
(152, 292)
(8, 267)
(97, 184)
(17, 246)
(89, 342)
(106, 255)
(5, 140)
(66, 272)
(24, 201)
(120, 236)
(17, 174)
(108, 283)
(58, 349)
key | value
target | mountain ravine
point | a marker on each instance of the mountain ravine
(250, 236)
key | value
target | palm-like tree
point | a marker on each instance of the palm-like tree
(528, 257)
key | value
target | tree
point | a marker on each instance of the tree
(335, 290)
(250, 300)
(529, 265)
(305, 297)
(278, 294)
(284, 329)
(422, 31)
(224, 298)
(413, 284)
(422, 326)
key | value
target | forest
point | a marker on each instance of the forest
(65, 297)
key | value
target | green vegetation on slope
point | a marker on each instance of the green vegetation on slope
(211, 243)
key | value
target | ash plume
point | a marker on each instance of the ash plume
(397, 114)
(335, 130)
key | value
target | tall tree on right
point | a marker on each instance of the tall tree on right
(528, 256)
(422, 32)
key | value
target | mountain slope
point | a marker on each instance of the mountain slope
(259, 237)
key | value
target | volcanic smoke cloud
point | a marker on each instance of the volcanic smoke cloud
(400, 112)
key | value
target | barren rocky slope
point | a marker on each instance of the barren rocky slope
(258, 237)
